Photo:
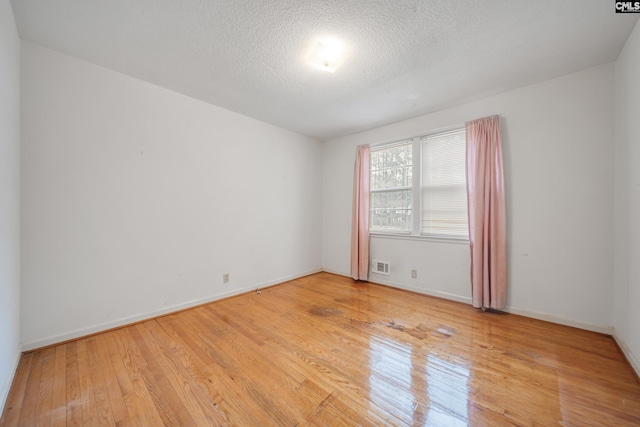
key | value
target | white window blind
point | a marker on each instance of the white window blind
(391, 187)
(444, 193)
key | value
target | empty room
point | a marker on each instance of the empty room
(296, 212)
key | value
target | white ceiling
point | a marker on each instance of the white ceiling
(408, 57)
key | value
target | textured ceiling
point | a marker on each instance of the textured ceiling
(407, 57)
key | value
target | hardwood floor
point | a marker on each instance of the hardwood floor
(325, 350)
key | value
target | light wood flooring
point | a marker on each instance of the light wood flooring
(325, 350)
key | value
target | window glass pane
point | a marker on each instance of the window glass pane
(390, 200)
(444, 193)
(391, 210)
(392, 167)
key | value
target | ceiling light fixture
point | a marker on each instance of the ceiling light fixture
(327, 55)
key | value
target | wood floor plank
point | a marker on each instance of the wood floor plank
(59, 388)
(325, 350)
(140, 409)
(144, 377)
(28, 412)
(216, 374)
(87, 403)
(11, 413)
(318, 356)
(169, 403)
(202, 407)
(236, 360)
(73, 396)
(111, 380)
(44, 405)
(102, 410)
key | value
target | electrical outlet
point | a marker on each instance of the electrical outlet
(225, 278)
(414, 274)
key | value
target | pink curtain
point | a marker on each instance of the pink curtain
(360, 221)
(487, 216)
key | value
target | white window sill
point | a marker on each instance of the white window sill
(378, 235)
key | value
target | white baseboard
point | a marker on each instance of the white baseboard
(430, 292)
(608, 330)
(78, 333)
(6, 387)
(337, 273)
(633, 360)
(381, 281)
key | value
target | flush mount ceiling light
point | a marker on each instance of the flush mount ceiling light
(327, 55)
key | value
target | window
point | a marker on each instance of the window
(444, 185)
(437, 184)
(391, 188)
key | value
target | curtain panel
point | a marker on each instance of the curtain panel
(360, 219)
(487, 213)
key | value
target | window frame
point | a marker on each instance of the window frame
(416, 192)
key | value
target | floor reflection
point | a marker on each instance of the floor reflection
(448, 393)
(390, 377)
(415, 390)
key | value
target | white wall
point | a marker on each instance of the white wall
(627, 185)
(9, 198)
(558, 141)
(137, 199)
